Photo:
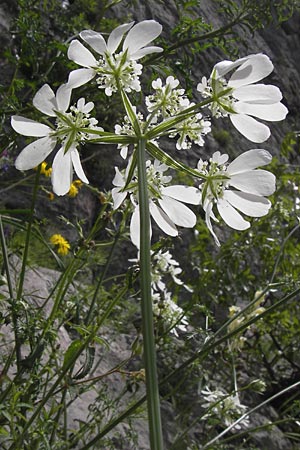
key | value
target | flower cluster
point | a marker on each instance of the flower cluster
(45, 169)
(164, 307)
(74, 188)
(113, 70)
(127, 129)
(166, 202)
(168, 101)
(62, 245)
(163, 263)
(226, 407)
(71, 128)
(240, 186)
(241, 98)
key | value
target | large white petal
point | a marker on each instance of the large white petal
(252, 70)
(187, 194)
(274, 112)
(146, 51)
(250, 128)
(250, 204)
(135, 227)
(223, 67)
(258, 182)
(208, 215)
(231, 216)
(249, 160)
(81, 55)
(77, 165)
(118, 178)
(179, 213)
(116, 35)
(62, 172)
(118, 197)
(162, 220)
(258, 93)
(35, 153)
(79, 77)
(28, 127)
(141, 34)
(63, 96)
(44, 100)
(95, 40)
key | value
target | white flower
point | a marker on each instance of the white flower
(226, 407)
(66, 132)
(164, 264)
(237, 186)
(192, 129)
(111, 67)
(244, 99)
(167, 100)
(127, 129)
(169, 311)
(165, 202)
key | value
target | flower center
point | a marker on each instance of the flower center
(71, 126)
(217, 178)
(217, 88)
(115, 70)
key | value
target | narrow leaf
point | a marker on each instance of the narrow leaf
(163, 157)
(131, 114)
(71, 352)
(88, 363)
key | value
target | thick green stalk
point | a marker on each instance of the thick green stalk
(153, 404)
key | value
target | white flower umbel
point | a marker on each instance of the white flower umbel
(111, 68)
(236, 186)
(191, 130)
(126, 128)
(71, 128)
(226, 407)
(166, 203)
(164, 264)
(165, 308)
(242, 98)
(168, 101)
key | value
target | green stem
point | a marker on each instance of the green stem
(5, 260)
(155, 430)
(28, 234)
(101, 278)
(23, 272)
(210, 35)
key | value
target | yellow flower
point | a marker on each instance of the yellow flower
(73, 191)
(50, 196)
(74, 188)
(45, 170)
(62, 244)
